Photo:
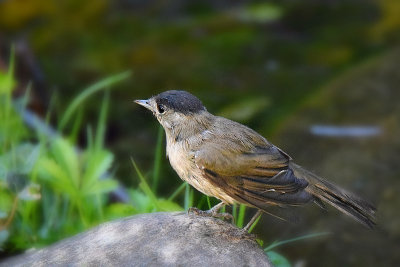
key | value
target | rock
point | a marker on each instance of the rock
(156, 239)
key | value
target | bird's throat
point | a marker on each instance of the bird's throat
(190, 126)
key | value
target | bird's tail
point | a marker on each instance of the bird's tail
(343, 200)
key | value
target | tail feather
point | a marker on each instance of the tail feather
(343, 200)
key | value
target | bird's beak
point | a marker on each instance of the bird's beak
(144, 103)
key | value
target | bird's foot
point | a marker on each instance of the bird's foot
(211, 213)
(245, 231)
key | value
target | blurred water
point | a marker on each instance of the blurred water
(345, 131)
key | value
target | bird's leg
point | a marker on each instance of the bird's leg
(216, 208)
(213, 212)
(251, 222)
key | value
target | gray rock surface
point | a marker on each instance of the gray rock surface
(156, 239)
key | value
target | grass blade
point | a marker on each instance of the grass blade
(234, 211)
(188, 197)
(157, 159)
(177, 191)
(144, 186)
(101, 125)
(76, 127)
(254, 224)
(208, 202)
(279, 243)
(105, 83)
(240, 219)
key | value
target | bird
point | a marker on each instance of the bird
(227, 160)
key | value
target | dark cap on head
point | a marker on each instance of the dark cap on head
(180, 101)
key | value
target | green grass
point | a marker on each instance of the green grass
(49, 187)
(86, 93)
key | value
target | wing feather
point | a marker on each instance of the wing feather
(260, 175)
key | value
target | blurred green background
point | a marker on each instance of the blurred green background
(284, 68)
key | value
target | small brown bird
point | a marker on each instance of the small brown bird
(227, 160)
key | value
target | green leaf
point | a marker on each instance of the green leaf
(66, 156)
(7, 81)
(118, 210)
(141, 201)
(97, 165)
(102, 186)
(166, 205)
(55, 175)
(277, 259)
(6, 202)
(31, 153)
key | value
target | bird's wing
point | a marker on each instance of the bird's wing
(257, 176)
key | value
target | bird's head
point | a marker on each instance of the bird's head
(174, 109)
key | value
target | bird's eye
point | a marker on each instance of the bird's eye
(160, 108)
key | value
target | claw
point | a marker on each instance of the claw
(213, 212)
(195, 211)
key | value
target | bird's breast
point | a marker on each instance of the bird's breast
(182, 161)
